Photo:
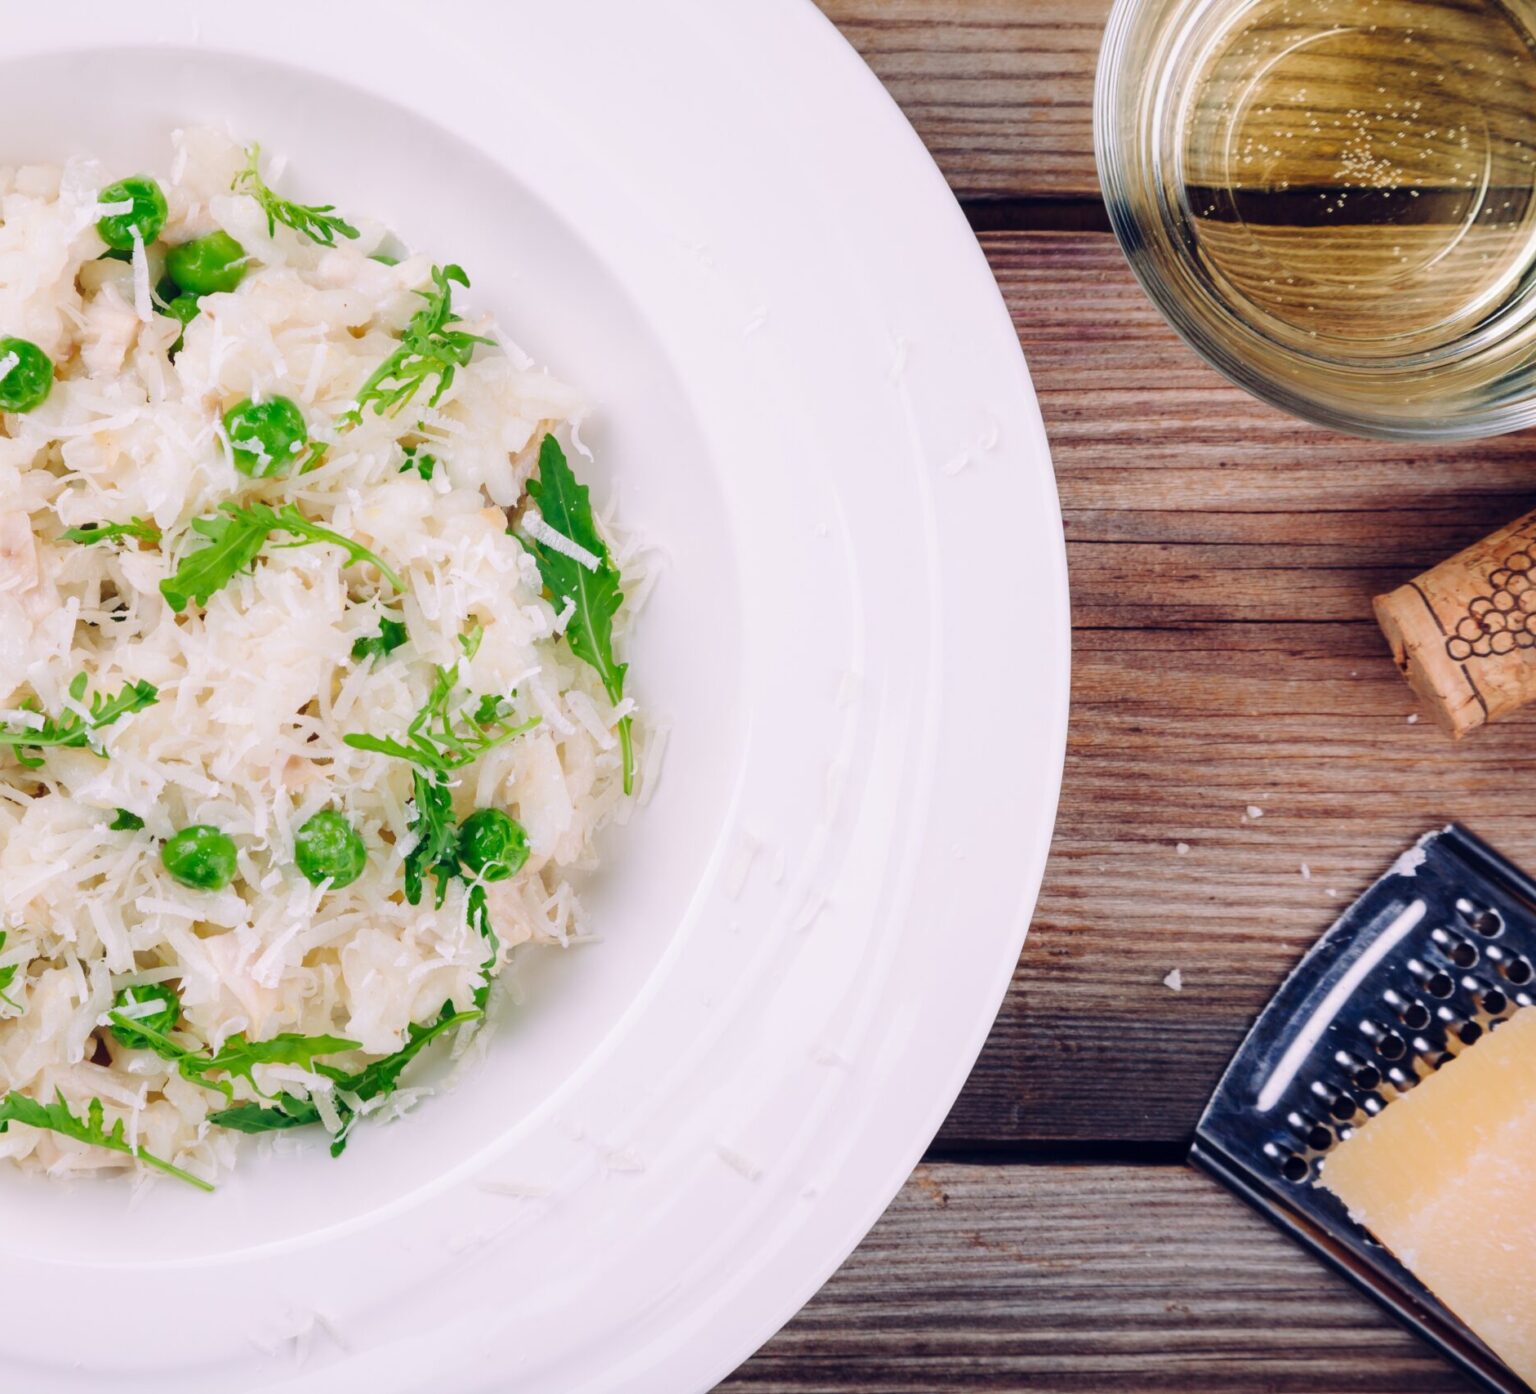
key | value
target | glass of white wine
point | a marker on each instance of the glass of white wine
(1335, 200)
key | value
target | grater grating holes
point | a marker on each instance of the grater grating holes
(1484, 920)
(1436, 982)
(1389, 1045)
(1428, 961)
(1413, 1014)
(1462, 952)
(1517, 970)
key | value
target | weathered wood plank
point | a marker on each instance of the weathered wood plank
(1084, 1279)
(1223, 559)
(1001, 91)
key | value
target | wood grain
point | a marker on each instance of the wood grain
(1085, 1279)
(1001, 91)
(1223, 560)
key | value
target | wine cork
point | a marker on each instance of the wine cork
(1464, 634)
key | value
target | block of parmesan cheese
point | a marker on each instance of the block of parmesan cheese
(1445, 1177)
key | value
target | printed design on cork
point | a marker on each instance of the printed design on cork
(1504, 618)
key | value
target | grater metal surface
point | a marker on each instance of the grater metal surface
(1441, 949)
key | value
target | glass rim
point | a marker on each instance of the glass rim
(1212, 329)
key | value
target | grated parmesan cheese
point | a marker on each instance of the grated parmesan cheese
(258, 688)
(541, 531)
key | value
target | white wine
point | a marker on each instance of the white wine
(1358, 177)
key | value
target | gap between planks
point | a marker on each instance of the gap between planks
(1223, 558)
(1075, 1280)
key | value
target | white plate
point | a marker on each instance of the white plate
(712, 218)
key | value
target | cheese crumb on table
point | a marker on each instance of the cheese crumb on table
(1445, 1177)
(1174, 981)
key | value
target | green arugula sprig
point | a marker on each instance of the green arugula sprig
(392, 633)
(236, 536)
(72, 729)
(441, 742)
(478, 917)
(56, 1117)
(593, 594)
(430, 350)
(435, 851)
(417, 458)
(438, 742)
(91, 533)
(7, 977)
(237, 1057)
(350, 1091)
(318, 222)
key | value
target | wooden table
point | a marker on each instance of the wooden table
(1223, 558)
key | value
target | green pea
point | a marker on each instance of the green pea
(491, 845)
(328, 848)
(208, 264)
(162, 1019)
(200, 857)
(28, 381)
(265, 437)
(146, 217)
(182, 308)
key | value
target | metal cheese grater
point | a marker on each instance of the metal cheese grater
(1437, 952)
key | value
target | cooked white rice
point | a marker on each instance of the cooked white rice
(257, 689)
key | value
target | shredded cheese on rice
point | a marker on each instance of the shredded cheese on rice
(257, 688)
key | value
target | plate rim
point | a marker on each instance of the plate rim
(963, 248)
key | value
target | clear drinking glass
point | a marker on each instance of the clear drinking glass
(1334, 201)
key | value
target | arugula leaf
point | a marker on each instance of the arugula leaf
(318, 222)
(417, 459)
(92, 533)
(144, 1030)
(92, 1129)
(7, 977)
(596, 594)
(470, 640)
(438, 744)
(429, 350)
(148, 1033)
(435, 742)
(289, 1111)
(125, 822)
(491, 707)
(383, 1076)
(349, 1090)
(239, 1057)
(72, 729)
(435, 851)
(236, 535)
(234, 544)
(478, 915)
(392, 633)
